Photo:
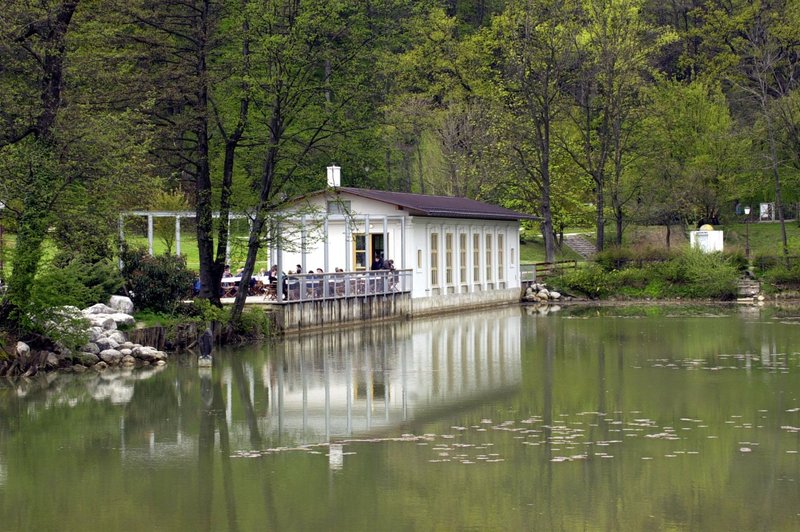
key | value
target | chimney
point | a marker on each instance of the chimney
(334, 176)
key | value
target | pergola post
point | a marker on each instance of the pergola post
(150, 233)
(178, 234)
(326, 260)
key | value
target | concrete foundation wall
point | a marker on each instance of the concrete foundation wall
(331, 312)
(448, 303)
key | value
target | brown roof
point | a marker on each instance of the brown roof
(439, 206)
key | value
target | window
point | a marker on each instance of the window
(419, 259)
(476, 258)
(513, 257)
(488, 258)
(365, 247)
(434, 259)
(360, 251)
(462, 257)
(501, 266)
(338, 207)
(448, 259)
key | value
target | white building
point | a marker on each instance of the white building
(458, 251)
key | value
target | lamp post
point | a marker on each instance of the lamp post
(747, 232)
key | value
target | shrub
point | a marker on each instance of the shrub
(781, 276)
(652, 254)
(707, 275)
(592, 281)
(78, 283)
(614, 258)
(156, 283)
(619, 258)
(202, 311)
(254, 323)
(636, 278)
(764, 262)
(737, 259)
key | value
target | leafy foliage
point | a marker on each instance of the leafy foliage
(691, 274)
(78, 283)
(156, 283)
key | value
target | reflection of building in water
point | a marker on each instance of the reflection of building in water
(305, 389)
(360, 381)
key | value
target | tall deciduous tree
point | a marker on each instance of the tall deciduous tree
(533, 46)
(67, 146)
(615, 48)
(303, 59)
(688, 154)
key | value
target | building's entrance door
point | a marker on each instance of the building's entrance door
(365, 247)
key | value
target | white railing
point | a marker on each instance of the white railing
(318, 286)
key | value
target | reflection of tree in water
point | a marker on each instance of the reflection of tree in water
(213, 422)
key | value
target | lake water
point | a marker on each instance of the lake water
(617, 418)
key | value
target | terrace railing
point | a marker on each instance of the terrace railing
(338, 285)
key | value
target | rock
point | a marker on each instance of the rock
(95, 333)
(100, 366)
(23, 349)
(125, 351)
(160, 362)
(106, 343)
(128, 360)
(52, 360)
(123, 319)
(77, 368)
(103, 321)
(111, 356)
(148, 354)
(121, 304)
(99, 308)
(544, 292)
(555, 295)
(87, 359)
(117, 336)
(91, 347)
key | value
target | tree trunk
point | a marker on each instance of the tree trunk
(209, 274)
(669, 234)
(601, 222)
(776, 175)
(547, 223)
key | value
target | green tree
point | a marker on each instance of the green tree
(307, 64)
(689, 154)
(66, 153)
(615, 50)
(532, 47)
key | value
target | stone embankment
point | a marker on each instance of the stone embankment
(107, 346)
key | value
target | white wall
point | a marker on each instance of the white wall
(417, 247)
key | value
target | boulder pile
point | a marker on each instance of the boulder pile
(539, 293)
(108, 346)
